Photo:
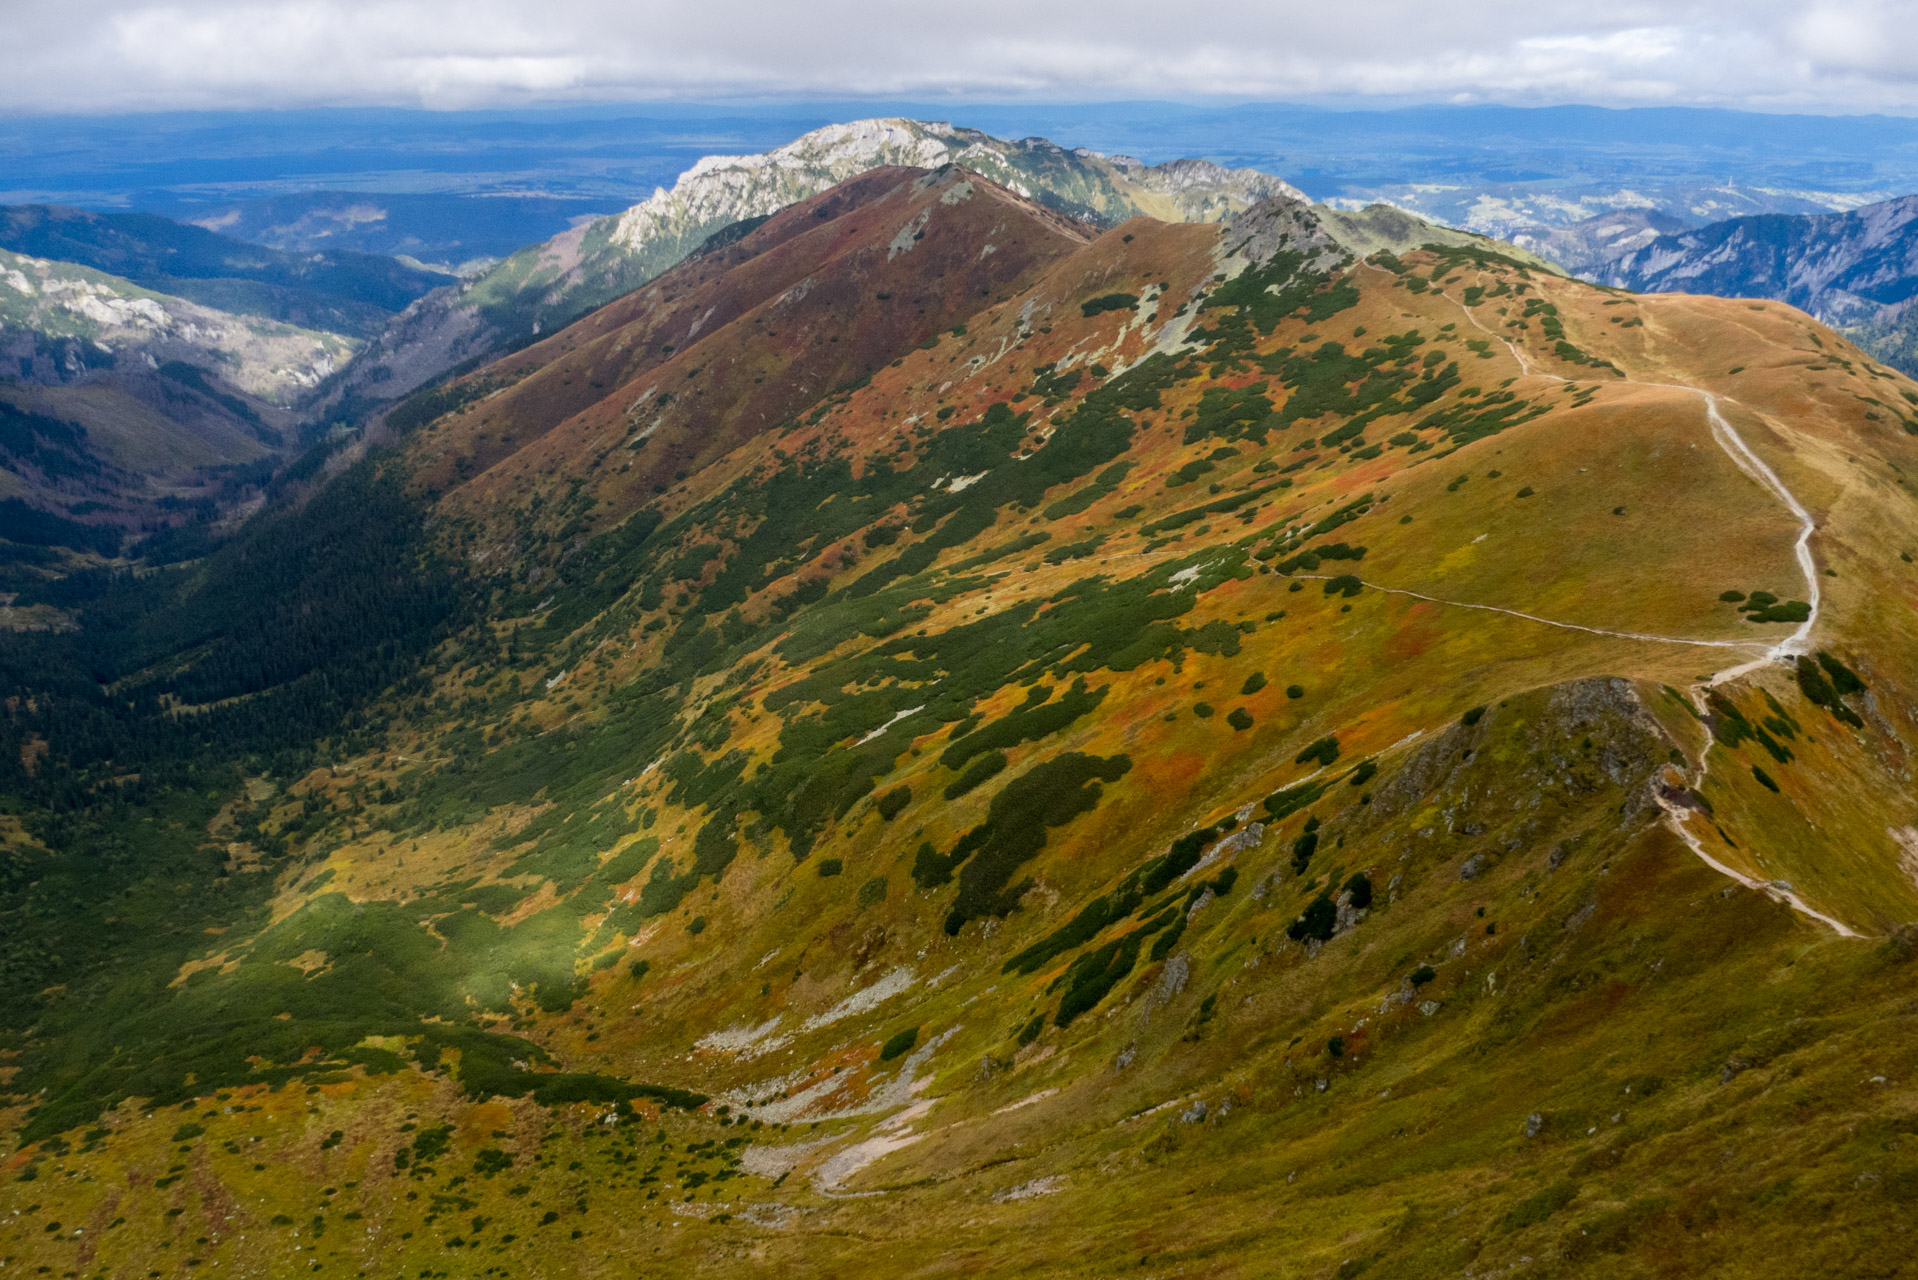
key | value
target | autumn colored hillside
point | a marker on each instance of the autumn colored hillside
(932, 739)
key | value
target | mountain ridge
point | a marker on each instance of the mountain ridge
(1244, 748)
(589, 265)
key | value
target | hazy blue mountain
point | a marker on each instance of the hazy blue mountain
(442, 231)
(334, 291)
(1856, 271)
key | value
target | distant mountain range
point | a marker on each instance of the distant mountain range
(451, 233)
(1856, 271)
(277, 320)
(338, 292)
(1532, 213)
(553, 283)
(128, 409)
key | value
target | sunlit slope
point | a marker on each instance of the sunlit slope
(1225, 760)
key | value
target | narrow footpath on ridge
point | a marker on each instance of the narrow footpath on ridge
(1742, 455)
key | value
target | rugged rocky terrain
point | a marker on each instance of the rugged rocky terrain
(939, 737)
(124, 410)
(155, 375)
(1857, 271)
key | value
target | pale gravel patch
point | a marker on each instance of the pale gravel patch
(900, 1094)
(1907, 841)
(896, 982)
(1026, 1101)
(897, 717)
(741, 1039)
(890, 1136)
(763, 1160)
(1052, 1184)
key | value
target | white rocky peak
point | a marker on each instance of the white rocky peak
(748, 186)
(732, 187)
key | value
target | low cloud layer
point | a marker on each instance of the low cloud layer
(111, 55)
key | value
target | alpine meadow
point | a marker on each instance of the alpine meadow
(918, 705)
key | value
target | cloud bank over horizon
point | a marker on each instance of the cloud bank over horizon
(135, 55)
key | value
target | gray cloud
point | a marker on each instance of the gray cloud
(103, 55)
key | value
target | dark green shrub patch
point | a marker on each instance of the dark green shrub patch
(1305, 846)
(1730, 727)
(1191, 471)
(1283, 804)
(1050, 794)
(1082, 928)
(1173, 921)
(1191, 515)
(1055, 386)
(982, 768)
(1092, 976)
(1320, 918)
(1074, 550)
(1309, 560)
(1107, 481)
(1181, 858)
(1036, 718)
(1787, 611)
(1109, 302)
(1228, 413)
(1826, 682)
(899, 1044)
(930, 868)
(1324, 751)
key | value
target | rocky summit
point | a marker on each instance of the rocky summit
(938, 736)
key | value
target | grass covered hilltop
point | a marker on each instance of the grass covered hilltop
(935, 739)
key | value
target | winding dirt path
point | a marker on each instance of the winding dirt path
(1726, 437)
(1746, 459)
(1550, 622)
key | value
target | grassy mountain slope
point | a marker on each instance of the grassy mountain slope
(677, 374)
(1229, 759)
(548, 285)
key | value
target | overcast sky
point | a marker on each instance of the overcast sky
(112, 55)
